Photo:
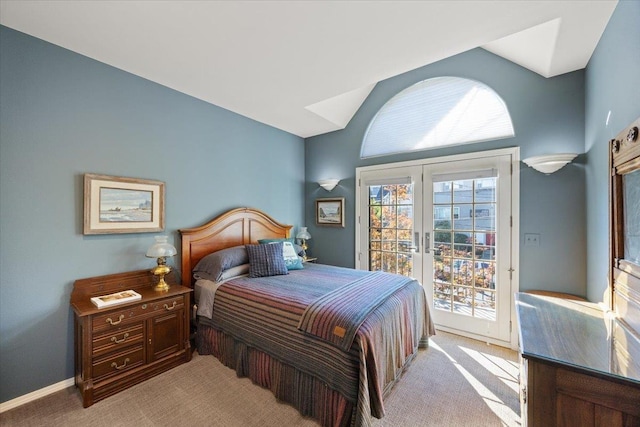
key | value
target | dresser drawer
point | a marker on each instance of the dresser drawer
(116, 339)
(119, 362)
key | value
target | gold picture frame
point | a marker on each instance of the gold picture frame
(330, 212)
(115, 204)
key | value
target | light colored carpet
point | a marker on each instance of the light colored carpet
(456, 382)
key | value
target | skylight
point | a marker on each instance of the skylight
(436, 113)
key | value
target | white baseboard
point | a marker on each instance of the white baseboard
(29, 397)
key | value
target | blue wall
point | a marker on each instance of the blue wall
(63, 115)
(612, 87)
(548, 117)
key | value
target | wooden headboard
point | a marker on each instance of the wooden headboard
(236, 227)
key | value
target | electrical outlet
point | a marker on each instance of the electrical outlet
(531, 239)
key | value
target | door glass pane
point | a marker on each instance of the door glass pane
(463, 217)
(389, 263)
(462, 191)
(389, 217)
(404, 241)
(484, 216)
(391, 228)
(442, 192)
(405, 264)
(375, 260)
(464, 236)
(375, 216)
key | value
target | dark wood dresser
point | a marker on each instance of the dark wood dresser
(580, 360)
(579, 365)
(122, 345)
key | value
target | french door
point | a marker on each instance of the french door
(448, 222)
(392, 207)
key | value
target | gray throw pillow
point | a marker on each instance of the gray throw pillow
(213, 265)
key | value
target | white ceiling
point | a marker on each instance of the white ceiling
(306, 66)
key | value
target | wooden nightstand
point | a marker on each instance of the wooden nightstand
(122, 345)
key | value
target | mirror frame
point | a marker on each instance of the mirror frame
(624, 282)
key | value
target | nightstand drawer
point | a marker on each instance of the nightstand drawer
(168, 304)
(118, 318)
(120, 362)
(118, 339)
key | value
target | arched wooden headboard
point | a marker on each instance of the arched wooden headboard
(236, 227)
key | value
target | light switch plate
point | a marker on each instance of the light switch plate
(531, 239)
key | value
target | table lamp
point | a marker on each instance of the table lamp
(303, 235)
(161, 250)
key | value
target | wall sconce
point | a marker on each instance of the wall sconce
(161, 250)
(550, 163)
(328, 184)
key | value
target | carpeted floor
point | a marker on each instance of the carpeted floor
(456, 382)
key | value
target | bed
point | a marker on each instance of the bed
(330, 341)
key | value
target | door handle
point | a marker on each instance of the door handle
(427, 242)
(416, 240)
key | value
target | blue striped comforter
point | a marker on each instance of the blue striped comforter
(264, 314)
(336, 316)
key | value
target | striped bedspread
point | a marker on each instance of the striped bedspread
(263, 314)
(336, 316)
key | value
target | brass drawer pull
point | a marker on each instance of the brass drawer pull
(115, 365)
(110, 320)
(166, 307)
(124, 337)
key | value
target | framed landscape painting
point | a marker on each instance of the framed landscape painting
(122, 205)
(330, 212)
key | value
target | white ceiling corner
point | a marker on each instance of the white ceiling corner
(340, 109)
(532, 48)
(306, 66)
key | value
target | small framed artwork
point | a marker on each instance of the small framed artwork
(330, 212)
(122, 205)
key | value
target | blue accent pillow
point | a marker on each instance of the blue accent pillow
(266, 260)
(291, 258)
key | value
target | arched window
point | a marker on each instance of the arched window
(436, 113)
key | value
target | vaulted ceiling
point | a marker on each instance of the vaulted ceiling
(306, 66)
